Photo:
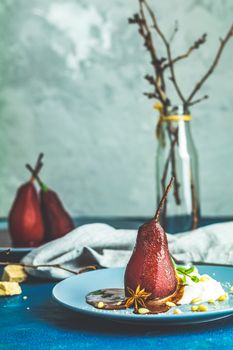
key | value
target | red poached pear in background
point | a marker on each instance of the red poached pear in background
(25, 219)
(56, 219)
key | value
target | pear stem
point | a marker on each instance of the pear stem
(36, 176)
(38, 166)
(36, 172)
(162, 201)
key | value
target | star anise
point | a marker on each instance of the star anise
(137, 297)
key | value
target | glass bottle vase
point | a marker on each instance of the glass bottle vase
(177, 156)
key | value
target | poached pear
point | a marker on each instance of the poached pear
(25, 220)
(150, 265)
(57, 220)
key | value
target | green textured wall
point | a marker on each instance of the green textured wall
(71, 83)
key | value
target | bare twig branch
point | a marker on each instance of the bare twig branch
(58, 266)
(165, 172)
(213, 65)
(168, 49)
(161, 64)
(147, 23)
(194, 205)
(205, 97)
(159, 81)
(173, 137)
(150, 95)
(195, 46)
(150, 79)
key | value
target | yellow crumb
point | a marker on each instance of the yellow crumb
(194, 308)
(211, 301)
(204, 279)
(202, 308)
(170, 303)
(143, 311)
(196, 300)
(100, 305)
(177, 312)
(223, 297)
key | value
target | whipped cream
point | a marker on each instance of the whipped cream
(206, 289)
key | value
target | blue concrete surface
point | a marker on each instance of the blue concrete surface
(38, 322)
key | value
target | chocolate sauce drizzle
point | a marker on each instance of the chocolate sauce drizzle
(114, 299)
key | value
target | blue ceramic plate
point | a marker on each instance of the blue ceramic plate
(71, 293)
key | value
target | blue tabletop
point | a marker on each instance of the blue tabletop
(38, 322)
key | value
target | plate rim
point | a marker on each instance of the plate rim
(17, 250)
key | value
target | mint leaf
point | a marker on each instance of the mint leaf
(184, 279)
(186, 272)
(194, 279)
(181, 269)
(190, 270)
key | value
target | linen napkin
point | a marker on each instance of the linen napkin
(105, 246)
